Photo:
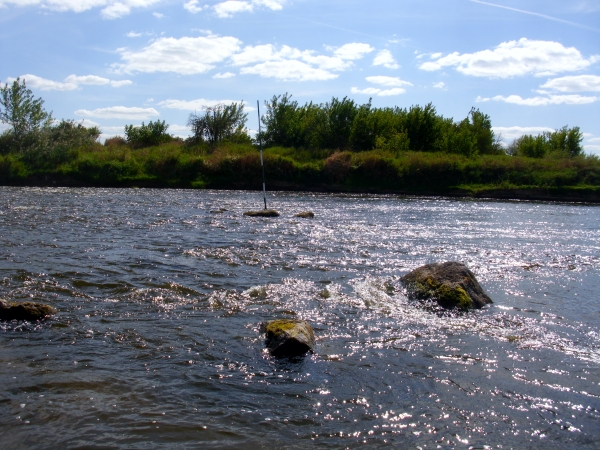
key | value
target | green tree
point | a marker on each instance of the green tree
(281, 122)
(154, 133)
(218, 123)
(24, 113)
(340, 115)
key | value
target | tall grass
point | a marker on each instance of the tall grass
(237, 166)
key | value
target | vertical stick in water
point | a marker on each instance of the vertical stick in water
(261, 157)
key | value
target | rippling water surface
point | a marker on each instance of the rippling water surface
(161, 294)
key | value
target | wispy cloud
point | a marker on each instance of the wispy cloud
(70, 83)
(543, 16)
(119, 112)
(199, 104)
(542, 101)
(391, 86)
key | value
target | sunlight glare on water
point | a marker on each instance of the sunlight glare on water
(161, 295)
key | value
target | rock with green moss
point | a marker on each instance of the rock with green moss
(262, 213)
(451, 284)
(25, 311)
(287, 337)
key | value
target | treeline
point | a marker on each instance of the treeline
(345, 125)
(338, 125)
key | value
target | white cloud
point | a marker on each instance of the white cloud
(199, 104)
(393, 83)
(224, 75)
(231, 7)
(133, 34)
(119, 112)
(291, 70)
(87, 79)
(577, 83)
(192, 6)
(511, 133)
(353, 51)
(33, 81)
(542, 101)
(514, 58)
(70, 83)
(112, 9)
(384, 58)
(440, 85)
(115, 11)
(120, 83)
(388, 81)
(291, 64)
(378, 92)
(186, 55)
(158, 15)
(594, 140)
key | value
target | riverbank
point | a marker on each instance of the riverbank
(232, 166)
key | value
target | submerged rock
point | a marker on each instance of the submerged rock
(305, 214)
(288, 337)
(262, 213)
(451, 284)
(25, 311)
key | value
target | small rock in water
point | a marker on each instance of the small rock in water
(25, 311)
(288, 337)
(451, 284)
(305, 214)
(262, 213)
(218, 211)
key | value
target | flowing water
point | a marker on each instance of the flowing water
(161, 293)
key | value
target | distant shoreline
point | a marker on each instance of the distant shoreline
(562, 194)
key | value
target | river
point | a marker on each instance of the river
(161, 293)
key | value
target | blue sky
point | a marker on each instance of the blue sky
(531, 65)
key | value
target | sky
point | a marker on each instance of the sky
(531, 65)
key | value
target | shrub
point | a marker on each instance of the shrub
(116, 141)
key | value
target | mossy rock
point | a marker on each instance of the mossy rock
(262, 213)
(305, 215)
(288, 337)
(450, 284)
(25, 311)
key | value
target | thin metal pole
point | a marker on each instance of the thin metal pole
(261, 157)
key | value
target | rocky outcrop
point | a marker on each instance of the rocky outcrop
(451, 284)
(287, 337)
(25, 311)
(262, 213)
(305, 214)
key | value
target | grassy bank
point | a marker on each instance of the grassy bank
(237, 166)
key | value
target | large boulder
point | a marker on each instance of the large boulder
(451, 284)
(262, 213)
(287, 337)
(25, 311)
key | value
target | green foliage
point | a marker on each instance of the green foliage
(59, 143)
(24, 113)
(154, 133)
(562, 143)
(344, 125)
(220, 123)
